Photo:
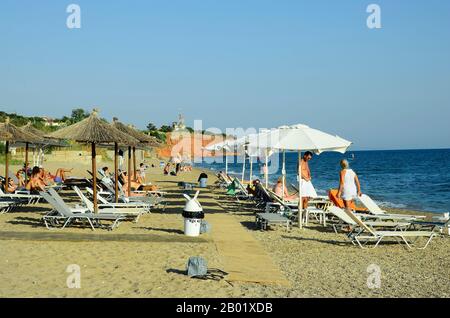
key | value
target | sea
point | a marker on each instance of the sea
(405, 179)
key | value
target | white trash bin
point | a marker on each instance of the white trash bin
(193, 215)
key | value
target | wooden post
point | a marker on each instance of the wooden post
(300, 203)
(94, 173)
(134, 164)
(129, 170)
(26, 162)
(6, 166)
(116, 172)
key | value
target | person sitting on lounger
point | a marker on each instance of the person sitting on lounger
(36, 182)
(349, 186)
(11, 187)
(278, 190)
(252, 187)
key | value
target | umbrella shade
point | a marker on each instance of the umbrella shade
(144, 139)
(5, 135)
(30, 129)
(93, 130)
(300, 137)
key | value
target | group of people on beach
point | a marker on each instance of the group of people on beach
(34, 179)
(137, 180)
(177, 164)
(349, 186)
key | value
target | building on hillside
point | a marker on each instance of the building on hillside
(50, 122)
(179, 125)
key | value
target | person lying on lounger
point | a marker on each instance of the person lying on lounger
(11, 188)
(278, 190)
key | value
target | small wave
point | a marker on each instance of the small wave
(388, 204)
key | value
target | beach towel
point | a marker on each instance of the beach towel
(308, 189)
(332, 194)
(197, 267)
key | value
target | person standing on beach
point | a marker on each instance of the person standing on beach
(121, 159)
(349, 186)
(307, 187)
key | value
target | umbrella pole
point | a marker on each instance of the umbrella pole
(26, 163)
(283, 172)
(226, 163)
(300, 202)
(134, 164)
(6, 167)
(266, 170)
(251, 168)
(94, 173)
(129, 170)
(116, 172)
(243, 166)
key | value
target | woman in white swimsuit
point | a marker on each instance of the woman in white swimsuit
(349, 187)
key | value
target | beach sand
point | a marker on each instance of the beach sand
(148, 258)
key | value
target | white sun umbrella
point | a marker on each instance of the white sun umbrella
(225, 145)
(246, 145)
(301, 138)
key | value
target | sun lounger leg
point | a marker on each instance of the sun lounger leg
(67, 222)
(378, 242)
(406, 242)
(428, 242)
(90, 223)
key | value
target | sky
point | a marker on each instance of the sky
(237, 63)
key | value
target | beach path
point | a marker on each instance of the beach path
(243, 256)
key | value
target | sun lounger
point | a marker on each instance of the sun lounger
(6, 206)
(266, 219)
(368, 234)
(142, 205)
(344, 220)
(22, 196)
(374, 209)
(61, 216)
(290, 208)
(132, 212)
(155, 201)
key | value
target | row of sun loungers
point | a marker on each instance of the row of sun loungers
(375, 225)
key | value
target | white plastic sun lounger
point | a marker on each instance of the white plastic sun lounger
(368, 234)
(28, 198)
(134, 212)
(375, 210)
(103, 202)
(62, 216)
(6, 206)
(266, 219)
(346, 220)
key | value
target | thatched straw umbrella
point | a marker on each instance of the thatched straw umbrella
(94, 131)
(12, 133)
(30, 129)
(144, 141)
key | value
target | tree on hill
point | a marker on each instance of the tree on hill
(151, 127)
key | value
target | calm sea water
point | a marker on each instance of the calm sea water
(409, 179)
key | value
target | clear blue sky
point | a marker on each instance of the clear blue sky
(237, 63)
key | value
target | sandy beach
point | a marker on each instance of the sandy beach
(148, 258)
